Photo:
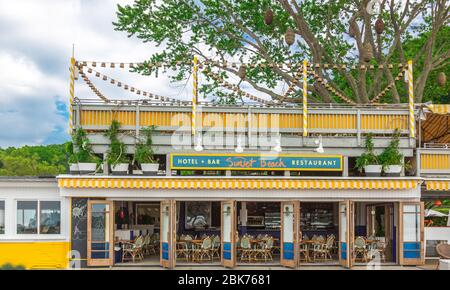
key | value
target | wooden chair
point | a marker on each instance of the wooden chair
(303, 251)
(202, 253)
(329, 247)
(319, 251)
(246, 249)
(360, 249)
(215, 250)
(133, 250)
(264, 251)
(182, 250)
(443, 250)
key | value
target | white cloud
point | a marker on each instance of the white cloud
(36, 40)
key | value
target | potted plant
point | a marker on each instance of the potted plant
(73, 160)
(369, 161)
(81, 158)
(117, 158)
(144, 153)
(391, 158)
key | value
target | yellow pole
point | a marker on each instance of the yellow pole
(194, 95)
(412, 122)
(72, 92)
(305, 98)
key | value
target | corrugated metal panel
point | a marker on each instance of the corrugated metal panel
(384, 122)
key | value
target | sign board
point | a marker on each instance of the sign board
(292, 162)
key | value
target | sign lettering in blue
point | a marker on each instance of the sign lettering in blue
(256, 162)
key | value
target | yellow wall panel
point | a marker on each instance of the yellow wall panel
(435, 161)
(35, 255)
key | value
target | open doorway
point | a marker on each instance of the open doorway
(198, 227)
(375, 233)
(136, 233)
(258, 232)
(319, 228)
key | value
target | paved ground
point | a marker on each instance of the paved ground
(426, 267)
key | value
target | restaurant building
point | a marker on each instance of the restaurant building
(236, 184)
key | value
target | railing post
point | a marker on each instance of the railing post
(137, 121)
(358, 126)
(168, 168)
(345, 167)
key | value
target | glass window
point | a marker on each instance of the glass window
(411, 223)
(2, 217)
(50, 217)
(27, 217)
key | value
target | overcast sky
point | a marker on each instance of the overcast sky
(36, 40)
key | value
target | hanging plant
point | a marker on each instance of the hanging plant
(367, 52)
(379, 26)
(242, 72)
(442, 79)
(289, 37)
(268, 17)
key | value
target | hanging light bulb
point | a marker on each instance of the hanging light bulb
(199, 146)
(277, 147)
(319, 142)
(239, 148)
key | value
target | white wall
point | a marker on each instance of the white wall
(12, 190)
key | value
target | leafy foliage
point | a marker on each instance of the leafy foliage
(144, 152)
(391, 155)
(116, 151)
(80, 149)
(234, 30)
(368, 157)
(33, 160)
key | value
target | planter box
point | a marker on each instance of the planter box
(150, 168)
(87, 168)
(393, 170)
(373, 170)
(119, 169)
(73, 168)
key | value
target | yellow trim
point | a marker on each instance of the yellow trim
(35, 255)
(245, 183)
(439, 185)
(257, 169)
(440, 109)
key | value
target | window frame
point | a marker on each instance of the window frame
(38, 219)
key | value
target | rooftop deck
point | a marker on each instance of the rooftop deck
(342, 127)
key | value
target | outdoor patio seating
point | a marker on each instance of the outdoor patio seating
(361, 250)
(131, 251)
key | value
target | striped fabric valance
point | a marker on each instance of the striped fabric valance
(440, 109)
(438, 184)
(215, 183)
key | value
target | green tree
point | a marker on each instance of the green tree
(327, 31)
(33, 160)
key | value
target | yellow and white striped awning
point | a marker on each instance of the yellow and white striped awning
(438, 185)
(250, 183)
(440, 108)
